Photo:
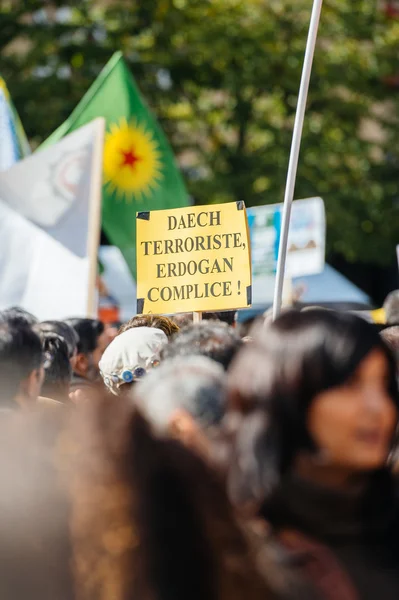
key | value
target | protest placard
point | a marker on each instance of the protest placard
(193, 259)
(306, 244)
(306, 238)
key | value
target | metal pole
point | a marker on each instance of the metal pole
(294, 156)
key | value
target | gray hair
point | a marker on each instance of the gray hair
(391, 308)
(195, 384)
(213, 339)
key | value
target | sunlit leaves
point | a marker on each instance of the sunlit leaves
(223, 78)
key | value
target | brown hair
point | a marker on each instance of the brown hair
(149, 518)
(156, 321)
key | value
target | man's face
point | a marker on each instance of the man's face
(103, 341)
(86, 365)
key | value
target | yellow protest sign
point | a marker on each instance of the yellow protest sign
(193, 259)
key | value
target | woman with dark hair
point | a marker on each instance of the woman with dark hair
(318, 398)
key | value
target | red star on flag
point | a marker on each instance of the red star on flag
(130, 158)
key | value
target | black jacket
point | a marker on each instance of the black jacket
(360, 533)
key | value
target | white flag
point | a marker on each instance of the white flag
(37, 272)
(50, 226)
(13, 142)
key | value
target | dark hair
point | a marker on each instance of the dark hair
(58, 370)
(18, 316)
(20, 355)
(156, 321)
(67, 332)
(88, 330)
(290, 362)
(213, 339)
(391, 308)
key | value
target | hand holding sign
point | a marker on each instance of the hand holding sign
(193, 259)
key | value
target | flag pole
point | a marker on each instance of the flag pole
(294, 156)
(95, 217)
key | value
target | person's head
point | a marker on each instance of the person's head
(129, 356)
(391, 308)
(157, 321)
(57, 367)
(226, 316)
(112, 330)
(149, 515)
(391, 338)
(18, 316)
(213, 339)
(244, 328)
(94, 505)
(184, 397)
(182, 319)
(63, 330)
(317, 387)
(92, 342)
(21, 365)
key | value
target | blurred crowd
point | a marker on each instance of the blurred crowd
(163, 459)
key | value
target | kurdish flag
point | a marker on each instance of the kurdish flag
(140, 172)
(13, 142)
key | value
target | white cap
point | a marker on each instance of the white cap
(130, 355)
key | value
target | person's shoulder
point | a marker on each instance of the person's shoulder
(281, 566)
(79, 382)
(49, 402)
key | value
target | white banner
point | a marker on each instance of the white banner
(51, 188)
(50, 225)
(37, 272)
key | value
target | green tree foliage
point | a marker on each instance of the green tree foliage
(223, 78)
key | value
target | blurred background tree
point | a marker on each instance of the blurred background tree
(222, 76)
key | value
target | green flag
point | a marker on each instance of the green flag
(140, 172)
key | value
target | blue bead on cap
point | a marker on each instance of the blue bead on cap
(127, 376)
(139, 372)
